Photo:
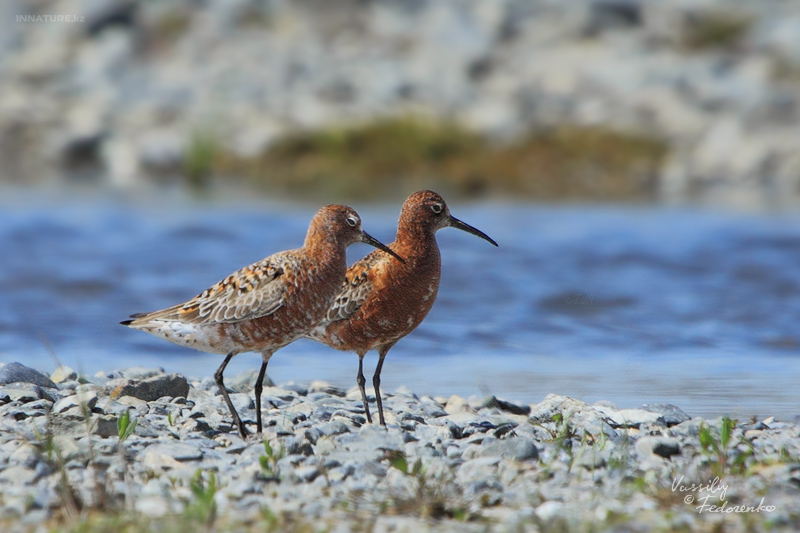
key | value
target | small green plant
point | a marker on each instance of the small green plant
(203, 507)
(172, 417)
(432, 499)
(71, 504)
(201, 157)
(269, 518)
(618, 459)
(269, 461)
(563, 434)
(125, 426)
(716, 30)
(725, 457)
(398, 460)
(786, 455)
(564, 429)
(170, 26)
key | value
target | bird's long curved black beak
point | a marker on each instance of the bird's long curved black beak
(372, 241)
(463, 226)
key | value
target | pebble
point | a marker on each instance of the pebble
(498, 464)
(246, 381)
(456, 404)
(26, 455)
(516, 448)
(661, 446)
(18, 475)
(87, 399)
(150, 388)
(23, 392)
(19, 373)
(630, 418)
(63, 374)
(671, 414)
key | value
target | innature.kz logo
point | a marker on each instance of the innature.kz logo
(50, 18)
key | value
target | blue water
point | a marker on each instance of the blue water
(631, 305)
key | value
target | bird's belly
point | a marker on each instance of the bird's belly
(364, 333)
(259, 335)
(200, 337)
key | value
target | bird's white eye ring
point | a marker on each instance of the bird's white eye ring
(352, 221)
(436, 208)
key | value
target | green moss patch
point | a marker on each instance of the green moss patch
(390, 157)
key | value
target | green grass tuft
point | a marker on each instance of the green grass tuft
(716, 30)
(390, 157)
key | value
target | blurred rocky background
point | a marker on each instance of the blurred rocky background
(643, 100)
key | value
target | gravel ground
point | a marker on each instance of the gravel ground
(441, 463)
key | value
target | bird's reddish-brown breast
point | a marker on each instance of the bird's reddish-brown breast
(400, 295)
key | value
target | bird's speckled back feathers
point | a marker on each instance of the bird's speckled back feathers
(251, 292)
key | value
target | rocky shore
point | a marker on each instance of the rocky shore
(141, 448)
(122, 92)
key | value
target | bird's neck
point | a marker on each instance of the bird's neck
(414, 241)
(324, 245)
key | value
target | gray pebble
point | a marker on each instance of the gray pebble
(336, 427)
(671, 414)
(591, 458)
(63, 374)
(505, 405)
(296, 388)
(246, 381)
(661, 446)
(69, 385)
(105, 426)
(178, 451)
(87, 400)
(243, 402)
(26, 455)
(23, 392)
(513, 448)
(35, 408)
(19, 373)
(298, 446)
(306, 474)
(151, 388)
(325, 389)
(136, 372)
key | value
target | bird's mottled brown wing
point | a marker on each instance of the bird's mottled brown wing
(356, 287)
(254, 291)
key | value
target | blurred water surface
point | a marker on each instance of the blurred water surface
(630, 305)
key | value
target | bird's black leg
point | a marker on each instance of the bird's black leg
(218, 378)
(376, 381)
(260, 387)
(361, 381)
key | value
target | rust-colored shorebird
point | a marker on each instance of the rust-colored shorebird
(267, 305)
(383, 300)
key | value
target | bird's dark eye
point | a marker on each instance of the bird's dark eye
(436, 208)
(352, 221)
